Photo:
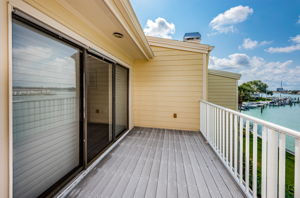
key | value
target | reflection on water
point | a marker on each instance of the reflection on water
(287, 116)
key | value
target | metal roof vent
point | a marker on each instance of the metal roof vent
(194, 37)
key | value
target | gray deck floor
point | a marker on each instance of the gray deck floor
(159, 163)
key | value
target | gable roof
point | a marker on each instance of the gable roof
(226, 74)
(180, 45)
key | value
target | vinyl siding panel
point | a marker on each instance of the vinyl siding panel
(169, 83)
(222, 91)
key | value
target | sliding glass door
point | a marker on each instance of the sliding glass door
(46, 104)
(54, 133)
(121, 99)
(99, 105)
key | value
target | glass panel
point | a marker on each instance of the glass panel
(46, 143)
(99, 105)
(121, 100)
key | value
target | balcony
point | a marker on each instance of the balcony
(235, 155)
(255, 152)
(159, 163)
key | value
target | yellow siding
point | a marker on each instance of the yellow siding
(169, 83)
(222, 91)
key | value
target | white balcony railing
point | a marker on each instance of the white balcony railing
(254, 151)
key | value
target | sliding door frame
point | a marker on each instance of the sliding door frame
(114, 137)
(128, 94)
(97, 55)
(68, 176)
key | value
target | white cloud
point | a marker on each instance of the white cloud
(35, 53)
(225, 21)
(256, 68)
(287, 49)
(298, 19)
(159, 28)
(233, 61)
(296, 39)
(251, 44)
(41, 65)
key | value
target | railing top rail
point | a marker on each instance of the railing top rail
(270, 125)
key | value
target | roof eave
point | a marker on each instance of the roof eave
(124, 12)
(180, 45)
(226, 74)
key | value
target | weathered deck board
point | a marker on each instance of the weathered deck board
(159, 163)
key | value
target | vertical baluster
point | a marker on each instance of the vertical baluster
(210, 127)
(223, 133)
(281, 193)
(297, 168)
(264, 162)
(241, 149)
(214, 123)
(247, 155)
(231, 141)
(207, 125)
(235, 144)
(217, 129)
(201, 117)
(254, 178)
(227, 138)
(220, 131)
(272, 164)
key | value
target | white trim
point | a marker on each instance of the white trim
(26, 8)
(204, 77)
(10, 112)
(237, 95)
(72, 184)
(180, 45)
(130, 92)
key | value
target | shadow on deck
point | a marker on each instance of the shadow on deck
(159, 163)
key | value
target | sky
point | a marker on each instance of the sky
(259, 39)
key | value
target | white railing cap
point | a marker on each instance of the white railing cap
(269, 125)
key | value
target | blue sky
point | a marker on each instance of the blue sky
(259, 39)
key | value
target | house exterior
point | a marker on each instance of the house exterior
(70, 69)
(78, 79)
(223, 88)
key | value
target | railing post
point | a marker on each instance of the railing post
(231, 140)
(281, 190)
(254, 174)
(227, 139)
(297, 168)
(223, 133)
(215, 127)
(272, 164)
(247, 155)
(264, 163)
(207, 124)
(241, 149)
(235, 145)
